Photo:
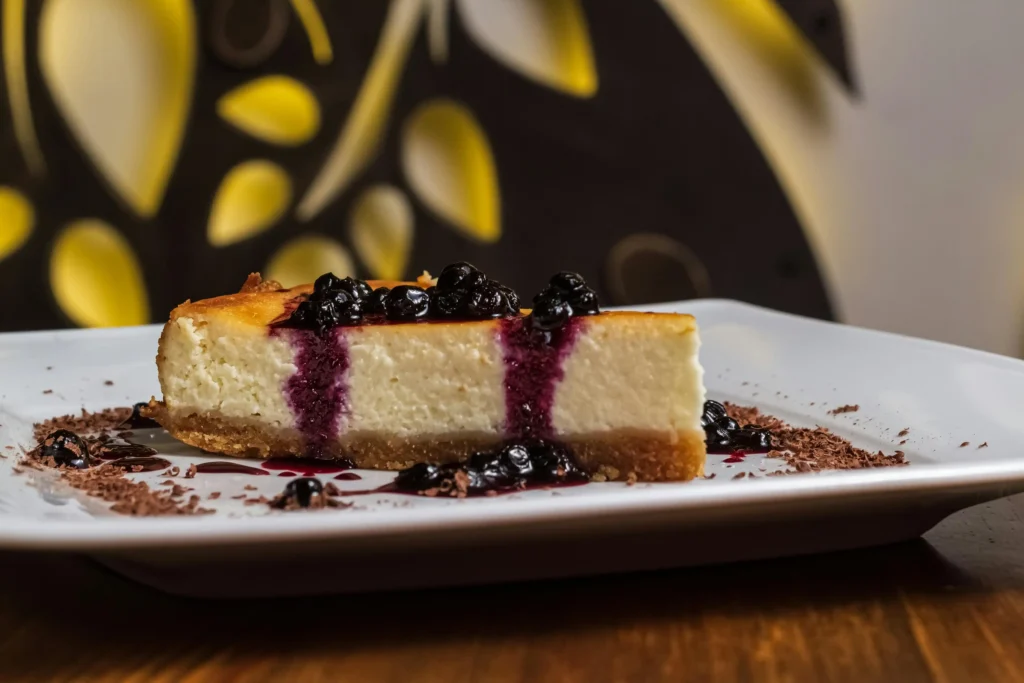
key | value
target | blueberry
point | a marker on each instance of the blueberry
(515, 458)
(407, 302)
(375, 301)
(718, 438)
(551, 462)
(728, 424)
(483, 460)
(512, 298)
(584, 302)
(485, 301)
(137, 421)
(349, 313)
(419, 477)
(567, 281)
(326, 282)
(454, 276)
(357, 288)
(303, 490)
(66, 448)
(752, 438)
(548, 293)
(713, 411)
(446, 303)
(550, 313)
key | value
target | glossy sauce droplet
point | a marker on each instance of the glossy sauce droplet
(223, 467)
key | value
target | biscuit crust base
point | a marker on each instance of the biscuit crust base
(621, 454)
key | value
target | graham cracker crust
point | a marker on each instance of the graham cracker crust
(629, 455)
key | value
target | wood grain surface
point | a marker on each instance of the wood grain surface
(946, 608)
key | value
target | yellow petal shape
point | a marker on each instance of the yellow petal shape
(381, 224)
(96, 278)
(449, 165)
(316, 30)
(306, 258)
(368, 119)
(17, 85)
(252, 196)
(16, 220)
(121, 73)
(545, 40)
(275, 109)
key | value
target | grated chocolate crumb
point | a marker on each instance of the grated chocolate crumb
(965, 444)
(812, 450)
(984, 445)
(739, 475)
(904, 431)
(249, 487)
(108, 383)
(851, 408)
(214, 495)
(190, 473)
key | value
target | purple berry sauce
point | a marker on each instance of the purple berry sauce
(533, 369)
(317, 393)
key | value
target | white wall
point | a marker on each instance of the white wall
(914, 195)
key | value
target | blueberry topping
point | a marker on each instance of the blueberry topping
(326, 282)
(302, 491)
(713, 412)
(407, 302)
(454, 276)
(447, 303)
(515, 458)
(137, 420)
(723, 433)
(550, 313)
(66, 448)
(359, 289)
(568, 282)
(584, 302)
(419, 477)
(462, 293)
(515, 465)
(551, 462)
(334, 301)
(566, 295)
(487, 300)
(375, 301)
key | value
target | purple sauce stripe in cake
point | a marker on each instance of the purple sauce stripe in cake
(318, 393)
(533, 368)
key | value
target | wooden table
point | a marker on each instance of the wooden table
(948, 608)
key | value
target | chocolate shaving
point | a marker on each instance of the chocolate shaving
(190, 473)
(965, 444)
(852, 408)
(811, 450)
(85, 423)
(984, 445)
(904, 431)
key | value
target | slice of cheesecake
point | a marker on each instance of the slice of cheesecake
(258, 374)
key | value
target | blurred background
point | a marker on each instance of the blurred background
(848, 160)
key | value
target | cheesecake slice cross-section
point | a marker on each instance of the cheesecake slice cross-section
(622, 390)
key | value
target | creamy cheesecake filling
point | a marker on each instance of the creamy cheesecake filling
(444, 380)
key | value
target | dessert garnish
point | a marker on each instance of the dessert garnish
(566, 295)
(723, 434)
(67, 449)
(462, 292)
(514, 466)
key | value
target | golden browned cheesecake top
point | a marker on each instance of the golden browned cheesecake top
(262, 302)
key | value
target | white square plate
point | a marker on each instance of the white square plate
(791, 367)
